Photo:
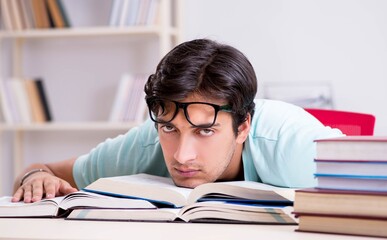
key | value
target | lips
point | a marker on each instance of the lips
(184, 172)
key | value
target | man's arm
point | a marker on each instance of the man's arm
(56, 179)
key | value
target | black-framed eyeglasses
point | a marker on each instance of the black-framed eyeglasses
(198, 114)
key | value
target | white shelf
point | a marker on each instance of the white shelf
(69, 126)
(87, 32)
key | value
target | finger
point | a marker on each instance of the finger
(18, 195)
(66, 188)
(50, 188)
(37, 191)
(27, 193)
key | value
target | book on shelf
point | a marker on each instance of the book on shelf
(352, 148)
(29, 14)
(26, 14)
(40, 13)
(133, 12)
(162, 190)
(340, 202)
(208, 212)
(24, 101)
(6, 104)
(129, 104)
(16, 15)
(6, 17)
(351, 167)
(62, 206)
(360, 226)
(20, 101)
(352, 182)
(44, 101)
(56, 14)
(38, 114)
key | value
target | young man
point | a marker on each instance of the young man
(204, 126)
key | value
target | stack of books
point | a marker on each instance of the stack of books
(351, 193)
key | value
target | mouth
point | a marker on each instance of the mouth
(187, 172)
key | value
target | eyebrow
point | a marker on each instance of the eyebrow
(191, 126)
(215, 125)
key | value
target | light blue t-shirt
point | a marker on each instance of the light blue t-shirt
(278, 151)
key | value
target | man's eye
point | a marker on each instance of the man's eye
(206, 132)
(167, 128)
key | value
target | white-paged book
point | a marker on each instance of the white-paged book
(352, 148)
(61, 206)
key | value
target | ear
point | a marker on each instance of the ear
(243, 130)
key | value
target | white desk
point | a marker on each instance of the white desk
(66, 229)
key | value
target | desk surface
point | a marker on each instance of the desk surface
(66, 229)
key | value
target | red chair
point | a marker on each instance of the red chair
(350, 123)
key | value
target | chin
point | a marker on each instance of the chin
(188, 183)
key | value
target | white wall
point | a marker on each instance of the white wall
(340, 41)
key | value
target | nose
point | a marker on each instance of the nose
(186, 150)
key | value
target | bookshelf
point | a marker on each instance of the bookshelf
(164, 34)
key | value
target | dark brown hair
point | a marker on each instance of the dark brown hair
(207, 68)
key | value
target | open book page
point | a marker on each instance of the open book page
(287, 193)
(83, 199)
(57, 206)
(151, 215)
(163, 190)
(45, 207)
(242, 190)
(236, 213)
(215, 212)
(142, 186)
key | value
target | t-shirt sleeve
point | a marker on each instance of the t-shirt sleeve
(281, 146)
(137, 151)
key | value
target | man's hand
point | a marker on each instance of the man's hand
(40, 185)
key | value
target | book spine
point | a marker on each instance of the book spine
(115, 13)
(6, 104)
(55, 13)
(6, 15)
(44, 99)
(36, 103)
(19, 90)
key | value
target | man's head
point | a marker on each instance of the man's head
(201, 98)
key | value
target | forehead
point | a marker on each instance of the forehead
(200, 98)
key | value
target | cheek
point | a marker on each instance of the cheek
(216, 151)
(168, 146)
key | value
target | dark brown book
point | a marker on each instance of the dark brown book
(361, 226)
(44, 99)
(341, 202)
(55, 13)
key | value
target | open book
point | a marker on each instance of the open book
(208, 212)
(61, 206)
(234, 202)
(162, 190)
